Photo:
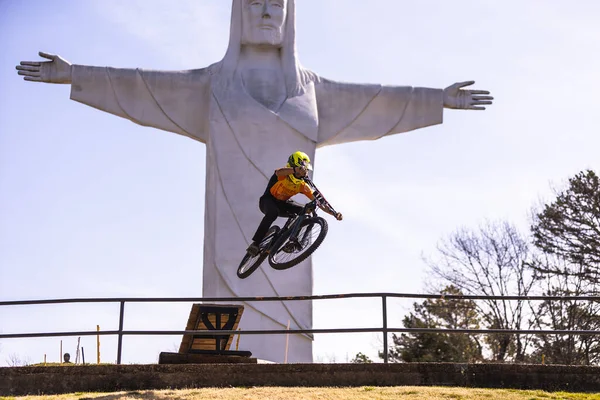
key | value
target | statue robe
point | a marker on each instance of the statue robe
(245, 143)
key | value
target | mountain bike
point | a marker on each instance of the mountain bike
(299, 237)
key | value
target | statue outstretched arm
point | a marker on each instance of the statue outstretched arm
(57, 70)
(351, 112)
(174, 101)
(462, 99)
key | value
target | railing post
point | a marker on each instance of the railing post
(385, 332)
(120, 344)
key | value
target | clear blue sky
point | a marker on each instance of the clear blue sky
(92, 205)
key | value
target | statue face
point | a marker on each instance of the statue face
(263, 22)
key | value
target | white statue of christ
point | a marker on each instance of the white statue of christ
(252, 110)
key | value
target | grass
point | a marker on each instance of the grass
(360, 393)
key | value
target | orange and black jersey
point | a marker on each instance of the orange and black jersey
(282, 188)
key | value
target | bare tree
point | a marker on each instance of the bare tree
(14, 360)
(491, 261)
(327, 358)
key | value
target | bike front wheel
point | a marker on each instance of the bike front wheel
(288, 251)
(250, 263)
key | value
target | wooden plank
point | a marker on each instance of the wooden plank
(204, 347)
(195, 323)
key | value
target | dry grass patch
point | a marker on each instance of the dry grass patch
(360, 393)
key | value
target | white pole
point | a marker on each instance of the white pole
(287, 341)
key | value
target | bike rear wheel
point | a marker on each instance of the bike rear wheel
(286, 253)
(250, 263)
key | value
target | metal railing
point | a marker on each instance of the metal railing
(384, 329)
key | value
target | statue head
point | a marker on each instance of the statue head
(263, 22)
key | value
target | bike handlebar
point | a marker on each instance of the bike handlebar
(320, 199)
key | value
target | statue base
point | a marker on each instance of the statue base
(191, 358)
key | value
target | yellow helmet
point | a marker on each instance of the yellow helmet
(298, 159)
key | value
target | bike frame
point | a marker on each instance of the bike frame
(294, 223)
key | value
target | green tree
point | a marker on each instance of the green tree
(569, 349)
(438, 347)
(360, 358)
(567, 232)
(569, 227)
(566, 314)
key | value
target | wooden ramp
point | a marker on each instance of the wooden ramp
(213, 348)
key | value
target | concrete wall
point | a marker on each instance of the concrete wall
(108, 378)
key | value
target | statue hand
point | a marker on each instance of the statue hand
(455, 97)
(57, 70)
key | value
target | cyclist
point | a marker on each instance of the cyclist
(285, 183)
